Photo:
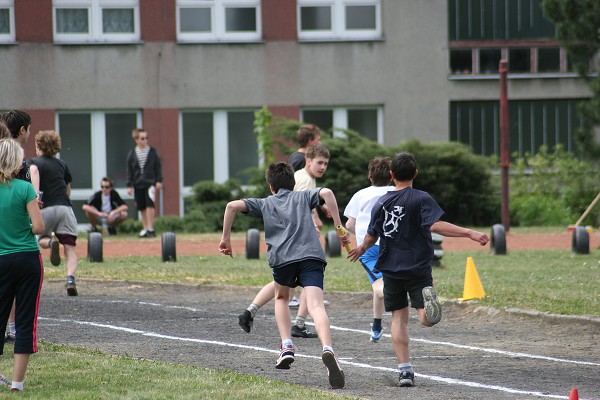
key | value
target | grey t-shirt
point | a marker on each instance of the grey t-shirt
(289, 229)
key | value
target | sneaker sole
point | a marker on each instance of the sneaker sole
(72, 291)
(285, 362)
(336, 375)
(433, 308)
(55, 253)
(407, 383)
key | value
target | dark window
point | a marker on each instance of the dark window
(519, 60)
(548, 59)
(461, 62)
(489, 60)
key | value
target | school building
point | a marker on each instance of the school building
(192, 73)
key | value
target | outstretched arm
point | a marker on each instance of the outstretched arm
(230, 210)
(451, 230)
(331, 203)
(369, 241)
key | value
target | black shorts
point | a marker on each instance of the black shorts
(303, 273)
(397, 291)
(142, 199)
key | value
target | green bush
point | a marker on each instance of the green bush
(168, 223)
(553, 188)
(130, 225)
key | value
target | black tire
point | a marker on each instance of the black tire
(498, 240)
(333, 246)
(169, 251)
(95, 247)
(581, 241)
(252, 244)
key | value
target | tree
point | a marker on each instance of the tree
(578, 26)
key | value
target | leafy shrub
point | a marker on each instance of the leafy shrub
(553, 188)
(168, 223)
(130, 225)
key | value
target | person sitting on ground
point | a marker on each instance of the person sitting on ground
(106, 206)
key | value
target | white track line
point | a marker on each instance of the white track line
(450, 381)
(475, 348)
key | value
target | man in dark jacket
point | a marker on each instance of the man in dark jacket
(144, 179)
(106, 206)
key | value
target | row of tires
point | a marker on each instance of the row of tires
(95, 245)
(580, 240)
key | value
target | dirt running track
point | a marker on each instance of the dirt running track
(474, 353)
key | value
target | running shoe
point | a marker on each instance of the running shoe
(246, 321)
(336, 375)
(376, 335)
(303, 332)
(54, 250)
(71, 288)
(407, 378)
(294, 302)
(433, 308)
(286, 358)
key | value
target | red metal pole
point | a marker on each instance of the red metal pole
(504, 148)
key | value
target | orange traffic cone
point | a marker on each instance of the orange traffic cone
(574, 394)
(473, 287)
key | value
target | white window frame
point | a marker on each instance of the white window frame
(98, 149)
(338, 15)
(217, 17)
(340, 119)
(9, 37)
(95, 34)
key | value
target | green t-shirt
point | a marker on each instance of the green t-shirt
(15, 226)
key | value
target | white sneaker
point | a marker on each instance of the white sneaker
(294, 302)
(143, 233)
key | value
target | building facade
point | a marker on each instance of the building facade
(192, 73)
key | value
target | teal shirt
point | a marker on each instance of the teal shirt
(15, 226)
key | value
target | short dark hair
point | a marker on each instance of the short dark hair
(379, 171)
(14, 120)
(280, 175)
(306, 133)
(317, 150)
(404, 166)
(107, 179)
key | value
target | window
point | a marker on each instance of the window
(218, 20)
(489, 60)
(96, 144)
(7, 21)
(96, 21)
(532, 123)
(339, 19)
(519, 61)
(548, 59)
(365, 120)
(498, 20)
(217, 145)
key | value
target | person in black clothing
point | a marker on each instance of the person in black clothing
(144, 179)
(307, 135)
(107, 206)
(59, 218)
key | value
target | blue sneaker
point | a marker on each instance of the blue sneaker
(433, 308)
(376, 335)
(286, 358)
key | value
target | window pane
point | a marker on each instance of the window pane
(315, 18)
(364, 122)
(489, 59)
(519, 60)
(460, 62)
(118, 143)
(117, 20)
(197, 128)
(548, 60)
(360, 17)
(243, 148)
(4, 20)
(240, 19)
(321, 118)
(194, 20)
(76, 137)
(72, 20)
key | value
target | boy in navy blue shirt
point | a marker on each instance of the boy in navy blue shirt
(403, 220)
(294, 253)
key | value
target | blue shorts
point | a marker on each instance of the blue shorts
(302, 273)
(368, 261)
(397, 291)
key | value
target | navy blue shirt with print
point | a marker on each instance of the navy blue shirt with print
(402, 219)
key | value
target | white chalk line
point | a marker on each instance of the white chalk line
(450, 381)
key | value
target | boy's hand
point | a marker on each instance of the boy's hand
(479, 237)
(225, 248)
(354, 254)
(344, 236)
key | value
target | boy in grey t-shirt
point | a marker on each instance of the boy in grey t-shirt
(295, 255)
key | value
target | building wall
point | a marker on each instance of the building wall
(406, 72)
